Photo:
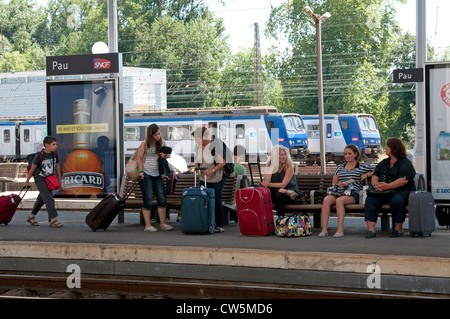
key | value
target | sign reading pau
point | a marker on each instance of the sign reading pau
(408, 75)
(82, 64)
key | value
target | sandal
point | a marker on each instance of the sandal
(338, 235)
(55, 224)
(219, 230)
(323, 234)
(32, 221)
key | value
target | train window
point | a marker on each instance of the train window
(329, 135)
(26, 135)
(132, 133)
(313, 131)
(270, 125)
(223, 131)
(344, 125)
(240, 131)
(7, 136)
(367, 123)
(174, 133)
(294, 123)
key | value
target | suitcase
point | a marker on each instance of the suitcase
(102, 215)
(9, 204)
(254, 209)
(421, 213)
(198, 209)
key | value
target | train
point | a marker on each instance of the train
(339, 131)
(255, 128)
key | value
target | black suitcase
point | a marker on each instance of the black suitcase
(102, 215)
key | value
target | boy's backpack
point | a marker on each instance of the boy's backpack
(30, 158)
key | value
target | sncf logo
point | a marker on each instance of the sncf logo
(101, 64)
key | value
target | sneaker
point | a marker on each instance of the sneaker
(396, 233)
(166, 227)
(150, 229)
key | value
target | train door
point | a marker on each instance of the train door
(7, 140)
(31, 138)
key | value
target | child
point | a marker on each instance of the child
(40, 170)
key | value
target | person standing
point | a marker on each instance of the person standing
(150, 177)
(213, 162)
(45, 163)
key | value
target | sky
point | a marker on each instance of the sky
(240, 16)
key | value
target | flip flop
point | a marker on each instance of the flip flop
(219, 230)
(338, 235)
(323, 235)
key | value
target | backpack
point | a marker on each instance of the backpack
(30, 158)
(228, 169)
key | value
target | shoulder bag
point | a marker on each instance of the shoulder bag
(131, 168)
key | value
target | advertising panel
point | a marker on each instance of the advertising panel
(82, 116)
(438, 130)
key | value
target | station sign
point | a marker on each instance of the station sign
(408, 75)
(82, 64)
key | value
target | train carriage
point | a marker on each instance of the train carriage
(341, 130)
(255, 128)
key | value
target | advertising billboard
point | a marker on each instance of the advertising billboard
(83, 117)
(438, 130)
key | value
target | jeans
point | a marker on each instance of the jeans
(397, 203)
(218, 189)
(279, 200)
(45, 197)
(149, 185)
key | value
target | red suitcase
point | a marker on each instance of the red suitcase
(9, 204)
(254, 209)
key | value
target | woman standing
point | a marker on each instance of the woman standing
(212, 161)
(280, 178)
(349, 173)
(394, 173)
(150, 179)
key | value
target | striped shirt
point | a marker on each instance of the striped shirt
(355, 174)
(151, 162)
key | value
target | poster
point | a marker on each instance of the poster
(438, 129)
(82, 116)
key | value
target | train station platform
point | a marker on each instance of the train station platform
(382, 265)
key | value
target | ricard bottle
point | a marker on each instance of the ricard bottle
(82, 170)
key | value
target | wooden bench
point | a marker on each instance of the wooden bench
(174, 200)
(9, 172)
(316, 185)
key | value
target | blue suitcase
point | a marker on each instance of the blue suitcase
(198, 209)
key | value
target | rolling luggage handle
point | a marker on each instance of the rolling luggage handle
(251, 173)
(195, 175)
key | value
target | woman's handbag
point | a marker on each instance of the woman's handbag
(52, 182)
(131, 168)
(294, 226)
(347, 190)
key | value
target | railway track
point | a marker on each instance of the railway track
(37, 285)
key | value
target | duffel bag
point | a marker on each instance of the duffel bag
(293, 226)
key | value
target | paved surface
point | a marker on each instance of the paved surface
(409, 264)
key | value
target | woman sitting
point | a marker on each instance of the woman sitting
(280, 179)
(349, 174)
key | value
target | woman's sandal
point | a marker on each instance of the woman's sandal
(219, 230)
(32, 221)
(55, 224)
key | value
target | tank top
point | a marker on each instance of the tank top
(278, 178)
(151, 162)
